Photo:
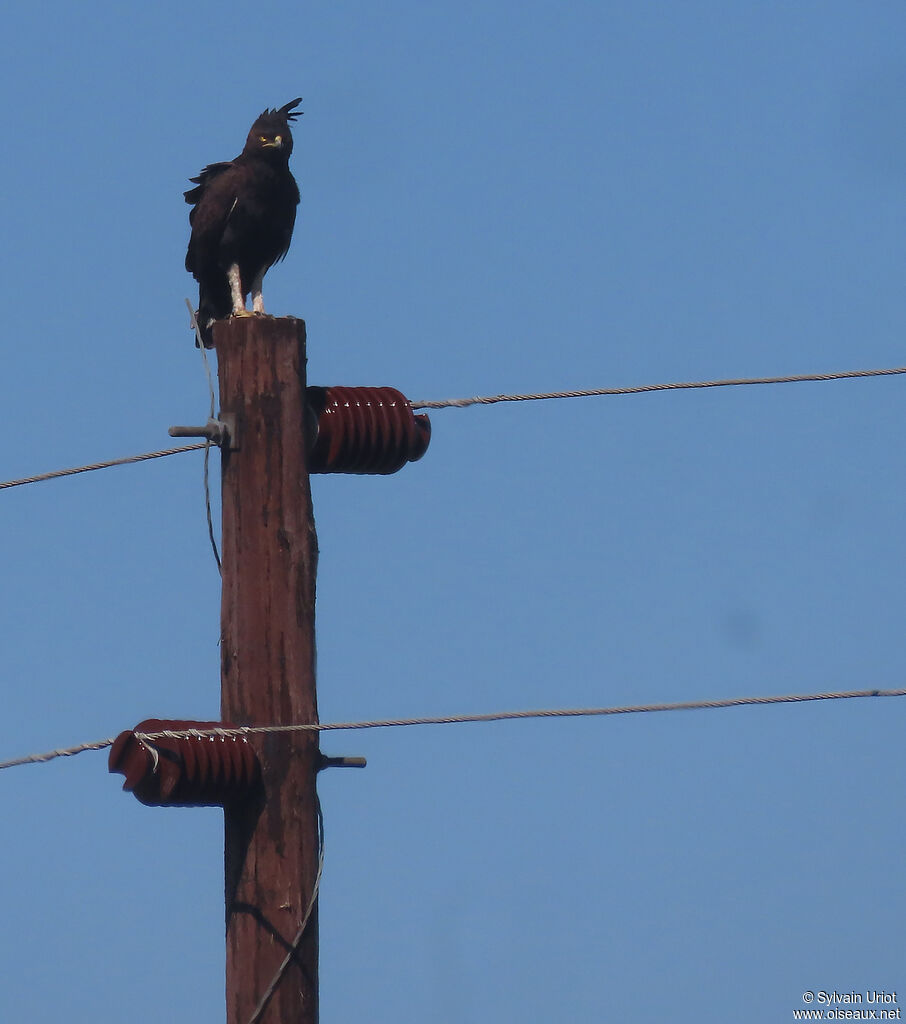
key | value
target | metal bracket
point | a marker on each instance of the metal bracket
(340, 762)
(221, 432)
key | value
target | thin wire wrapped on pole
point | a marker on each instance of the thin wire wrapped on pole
(207, 443)
(300, 934)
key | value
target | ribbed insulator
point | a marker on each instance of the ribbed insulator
(191, 771)
(365, 430)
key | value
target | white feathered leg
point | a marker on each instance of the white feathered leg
(236, 291)
(257, 297)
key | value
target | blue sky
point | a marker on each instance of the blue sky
(495, 198)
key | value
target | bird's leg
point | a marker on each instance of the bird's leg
(236, 291)
(257, 297)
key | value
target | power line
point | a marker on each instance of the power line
(492, 716)
(462, 403)
(100, 465)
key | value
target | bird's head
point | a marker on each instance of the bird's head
(270, 134)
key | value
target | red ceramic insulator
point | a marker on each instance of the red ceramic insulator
(191, 771)
(365, 430)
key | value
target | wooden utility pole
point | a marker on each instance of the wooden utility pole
(268, 667)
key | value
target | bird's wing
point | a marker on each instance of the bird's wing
(194, 196)
(284, 231)
(287, 235)
(213, 201)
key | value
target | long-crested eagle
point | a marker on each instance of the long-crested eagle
(242, 218)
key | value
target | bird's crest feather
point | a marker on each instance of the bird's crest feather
(286, 111)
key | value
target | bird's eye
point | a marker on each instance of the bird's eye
(262, 138)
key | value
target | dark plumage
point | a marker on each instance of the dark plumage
(242, 218)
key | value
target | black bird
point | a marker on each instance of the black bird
(242, 218)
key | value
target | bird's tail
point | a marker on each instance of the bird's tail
(213, 304)
(205, 328)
